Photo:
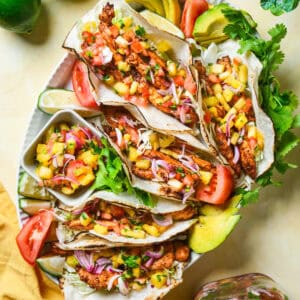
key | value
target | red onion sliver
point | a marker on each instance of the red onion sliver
(111, 281)
(119, 136)
(69, 156)
(71, 136)
(113, 270)
(54, 162)
(149, 262)
(154, 167)
(174, 92)
(188, 195)
(61, 178)
(123, 287)
(162, 220)
(236, 157)
(230, 118)
(155, 255)
(86, 132)
(162, 163)
(85, 260)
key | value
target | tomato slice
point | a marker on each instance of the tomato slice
(220, 188)
(191, 11)
(81, 85)
(31, 238)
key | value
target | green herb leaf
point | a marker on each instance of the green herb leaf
(248, 197)
(278, 7)
(130, 261)
(140, 31)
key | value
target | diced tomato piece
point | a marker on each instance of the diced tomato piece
(190, 84)
(137, 47)
(207, 117)
(178, 80)
(114, 30)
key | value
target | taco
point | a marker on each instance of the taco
(122, 219)
(234, 123)
(165, 165)
(125, 273)
(132, 62)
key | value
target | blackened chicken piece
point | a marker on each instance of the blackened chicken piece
(96, 281)
(248, 159)
(184, 214)
(182, 252)
(226, 62)
(227, 151)
(166, 261)
(76, 225)
(107, 14)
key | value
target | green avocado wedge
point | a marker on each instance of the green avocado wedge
(19, 15)
(214, 227)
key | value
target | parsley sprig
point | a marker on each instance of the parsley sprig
(279, 105)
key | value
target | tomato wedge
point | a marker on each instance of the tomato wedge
(81, 85)
(220, 188)
(191, 11)
(31, 238)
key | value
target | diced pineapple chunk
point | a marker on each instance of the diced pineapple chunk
(152, 230)
(170, 153)
(143, 164)
(243, 73)
(44, 172)
(159, 279)
(89, 158)
(43, 158)
(90, 26)
(260, 139)
(85, 219)
(127, 137)
(137, 286)
(87, 178)
(154, 140)
(109, 79)
(211, 101)
(163, 46)
(240, 103)
(228, 94)
(133, 87)
(133, 154)
(217, 88)
(205, 177)
(252, 133)
(224, 75)
(241, 121)
(223, 101)
(213, 112)
(71, 146)
(172, 69)
(67, 190)
(101, 229)
(176, 185)
(123, 66)
(234, 138)
(165, 140)
(136, 272)
(58, 148)
(127, 21)
(72, 261)
(136, 234)
(121, 88)
(64, 126)
(41, 149)
(217, 68)
(236, 84)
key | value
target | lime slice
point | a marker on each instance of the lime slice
(53, 100)
(161, 23)
(32, 206)
(29, 188)
(52, 265)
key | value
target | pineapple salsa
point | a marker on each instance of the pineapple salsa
(67, 158)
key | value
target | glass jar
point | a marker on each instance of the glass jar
(253, 286)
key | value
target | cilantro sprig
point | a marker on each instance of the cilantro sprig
(111, 175)
(278, 7)
(279, 105)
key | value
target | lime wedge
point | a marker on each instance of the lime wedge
(52, 265)
(53, 100)
(161, 23)
(32, 206)
(30, 188)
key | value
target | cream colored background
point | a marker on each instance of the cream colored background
(267, 239)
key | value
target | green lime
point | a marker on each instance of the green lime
(19, 15)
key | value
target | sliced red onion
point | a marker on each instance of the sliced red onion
(236, 157)
(172, 175)
(99, 269)
(54, 162)
(242, 132)
(85, 260)
(111, 281)
(156, 255)
(101, 264)
(188, 195)
(107, 55)
(71, 136)
(130, 122)
(154, 167)
(174, 92)
(149, 263)
(229, 141)
(119, 136)
(114, 270)
(103, 261)
(162, 163)
(143, 268)
(165, 92)
(69, 156)
(123, 287)
(152, 76)
(162, 220)
(189, 163)
(230, 118)
(86, 132)
(66, 163)
(183, 150)
(182, 117)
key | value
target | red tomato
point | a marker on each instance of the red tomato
(179, 80)
(190, 84)
(207, 117)
(31, 238)
(219, 189)
(80, 82)
(192, 10)
(137, 47)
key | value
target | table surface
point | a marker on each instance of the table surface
(266, 239)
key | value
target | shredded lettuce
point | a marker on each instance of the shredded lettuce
(112, 177)
(279, 105)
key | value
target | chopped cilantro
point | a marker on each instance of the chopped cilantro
(140, 31)
(130, 261)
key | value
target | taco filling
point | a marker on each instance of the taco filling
(120, 54)
(157, 157)
(104, 218)
(127, 269)
(229, 110)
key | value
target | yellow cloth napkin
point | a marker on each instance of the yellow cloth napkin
(18, 280)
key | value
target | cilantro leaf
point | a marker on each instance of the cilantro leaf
(278, 7)
(248, 197)
(130, 261)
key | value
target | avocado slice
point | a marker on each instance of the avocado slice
(214, 227)
(210, 25)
